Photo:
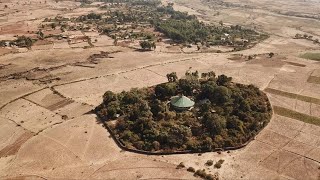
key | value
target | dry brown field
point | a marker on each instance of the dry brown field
(48, 91)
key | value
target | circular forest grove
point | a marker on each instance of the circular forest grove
(197, 113)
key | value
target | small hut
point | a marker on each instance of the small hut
(181, 103)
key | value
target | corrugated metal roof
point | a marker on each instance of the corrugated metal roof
(181, 102)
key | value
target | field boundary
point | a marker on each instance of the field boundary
(296, 115)
(293, 96)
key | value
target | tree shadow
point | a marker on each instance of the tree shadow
(143, 50)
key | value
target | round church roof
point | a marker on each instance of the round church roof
(181, 102)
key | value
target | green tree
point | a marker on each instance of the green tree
(205, 107)
(221, 23)
(112, 109)
(186, 86)
(209, 75)
(139, 110)
(156, 145)
(147, 45)
(223, 80)
(40, 34)
(214, 123)
(221, 95)
(172, 77)
(178, 136)
(207, 91)
(128, 98)
(94, 16)
(53, 25)
(233, 122)
(23, 41)
(109, 96)
(166, 90)
(207, 144)
(157, 107)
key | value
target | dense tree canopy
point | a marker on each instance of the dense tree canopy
(225, 114)
(124, 17)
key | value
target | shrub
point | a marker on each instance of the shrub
(219, 163)
(209, 163)
(191, 169)
(210, 177)
(271, 54)
(147, 45)
(156, 145)
(201, 173)
(22, 41)
(181, 165)
(138, 144)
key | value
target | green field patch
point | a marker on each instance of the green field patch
(293, 96)
(311, 56)
(296, 115)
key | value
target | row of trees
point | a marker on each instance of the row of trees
(21, 41)
(134, 2)
(306, 36)
(91, 16)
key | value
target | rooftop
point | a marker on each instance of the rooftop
(181, 102)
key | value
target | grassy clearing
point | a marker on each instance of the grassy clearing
(293, 96)
(314, 79)
(296, 115)
(312, 56)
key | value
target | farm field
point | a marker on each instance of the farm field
(48, 92)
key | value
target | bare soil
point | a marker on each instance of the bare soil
(47, 92)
